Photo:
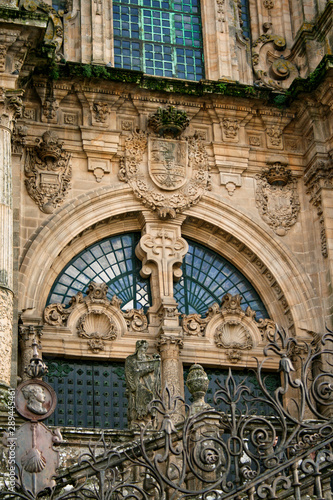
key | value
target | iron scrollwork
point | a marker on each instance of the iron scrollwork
(226, 452)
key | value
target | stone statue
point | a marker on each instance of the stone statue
(143, 381)
(35, 396)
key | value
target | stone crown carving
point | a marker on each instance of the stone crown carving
(168, 121)
(48, 172)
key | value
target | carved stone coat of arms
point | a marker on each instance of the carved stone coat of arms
(167, 174)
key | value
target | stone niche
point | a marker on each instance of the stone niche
(228, 334)
(91, 325)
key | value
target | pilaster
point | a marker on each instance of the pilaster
(10, 109)
(27, 335)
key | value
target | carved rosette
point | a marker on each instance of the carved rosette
(48, 172)
(167, 174)
(277, 199)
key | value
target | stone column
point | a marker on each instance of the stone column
(172, 374)
(10, 108)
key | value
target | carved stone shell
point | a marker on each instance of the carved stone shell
(233, 335)
(97, 324)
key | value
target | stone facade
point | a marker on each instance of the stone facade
(252, 179)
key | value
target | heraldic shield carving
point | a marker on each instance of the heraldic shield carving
(167, 173)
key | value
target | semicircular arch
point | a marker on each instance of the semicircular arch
(279, 278)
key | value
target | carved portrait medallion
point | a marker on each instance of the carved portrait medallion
(35, 399)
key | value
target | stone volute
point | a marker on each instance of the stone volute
(197, 383)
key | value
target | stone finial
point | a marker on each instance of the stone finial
(197, 383)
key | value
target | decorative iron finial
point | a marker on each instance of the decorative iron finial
(36, 368)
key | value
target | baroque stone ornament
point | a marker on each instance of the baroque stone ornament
(231, 328)
(48, 172)
(143, 382)
(277, 199)
(272, 62)
(97, 327)
(167, 174)
(95, 318)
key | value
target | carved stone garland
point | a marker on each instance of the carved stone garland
(233, 330)
(48, 172)
(96, 322)
(166, 173)
(276, 198)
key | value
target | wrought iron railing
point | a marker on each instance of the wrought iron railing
(212, 454)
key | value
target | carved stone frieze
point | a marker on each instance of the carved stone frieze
(272, 62)
(10, 107)
(18, 139)
(276, 197)
(48, 172)
(167, 174)
(274, 136)
(50, 107)
(317, 177)
(230, 128)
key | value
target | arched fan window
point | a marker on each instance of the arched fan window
(206, 277)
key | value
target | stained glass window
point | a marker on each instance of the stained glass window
(159, 37)
(111, 261)
(207, 277)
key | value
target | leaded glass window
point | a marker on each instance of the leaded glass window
(207, 277)
(111, 261)
(159, 37)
